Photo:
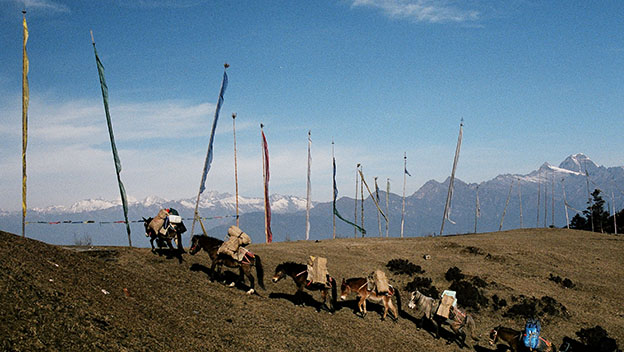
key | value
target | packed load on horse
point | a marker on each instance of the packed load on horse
(317, 270)
(531, 334)
(235, 245)
(378, 282)
(167, 223)
(446, 302)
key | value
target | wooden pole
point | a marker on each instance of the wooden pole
(308, 187)
(477, 210)
(404, 181)
(520, 197)
(565, 204)
(387, 206)
(500, 228)
(333, 190)
(361, 197)
(371, 195)
(377, 198)
(357, 177)
(235, 166)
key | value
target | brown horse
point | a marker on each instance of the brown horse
(508, 335)
(358, 285)
(298, 272)
(458, 320)
(160, 239)
(211, 245)
(514, 339)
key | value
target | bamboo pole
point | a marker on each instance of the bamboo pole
(308, 187)
(477, 209)
(361, 197)
(356, 202)
(565, 204)
(333, 190)
(387, 206)
(235, 166)
(377, 198)
(500, 228)
(404, 181)
(371, 195)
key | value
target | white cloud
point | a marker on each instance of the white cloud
(45, 5)
(432, 11)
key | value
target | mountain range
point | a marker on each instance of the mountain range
(532, 200)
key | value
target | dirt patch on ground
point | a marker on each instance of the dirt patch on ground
(129, 299)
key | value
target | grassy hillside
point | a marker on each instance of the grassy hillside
(123, 299)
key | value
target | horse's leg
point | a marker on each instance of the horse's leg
(392, 308)
(362, 305)
(247, 270)
(324, 298)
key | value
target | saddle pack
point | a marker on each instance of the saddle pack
(234, 246)
(317, 270)
(530, 337)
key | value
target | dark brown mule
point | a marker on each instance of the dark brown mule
(211, 246)
(514, 339)
(299, 272)
(160, 239)
(458, 320)
(358, 285)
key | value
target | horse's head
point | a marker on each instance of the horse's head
(414, 297)
(280, 272)
(148, 231)
(344, 290)
(195, 245)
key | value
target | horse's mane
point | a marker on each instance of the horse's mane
(353, 279)
(208, 238)
(288, 265)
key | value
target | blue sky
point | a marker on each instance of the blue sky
(534, 81)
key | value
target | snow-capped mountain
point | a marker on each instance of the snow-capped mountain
(535, 199)
(215, 201)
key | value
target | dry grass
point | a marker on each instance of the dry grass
(174, 306)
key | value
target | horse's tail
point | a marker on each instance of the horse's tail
(398, 298)
(334, 293)
(259, 271)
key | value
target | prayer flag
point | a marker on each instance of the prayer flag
(267, 204)
(122, 190)
(25, 101)
(334, 202)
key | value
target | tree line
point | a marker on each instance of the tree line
(596, 218)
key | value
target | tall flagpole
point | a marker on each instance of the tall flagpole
(335, 197)
(565, 204)
(545, 201)
(614, 213)
(387, 206)
(371, 195)
(552, 203)
(309, 186)
(589, 201)
(334, 187)
(357, 178)
(266, 177)
(208, 160)
(520, 196)
(235, 166)
(449, 195)
(359, 166)
(404, 181)
(377, 197)
(122, 190)
(539, 189)
(500, 228)
(477, 209)
(25, 101)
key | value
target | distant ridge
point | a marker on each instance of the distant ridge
(423, 208)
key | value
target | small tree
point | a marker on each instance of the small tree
(596, 217)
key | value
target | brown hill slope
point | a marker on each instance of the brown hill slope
(53, 298)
